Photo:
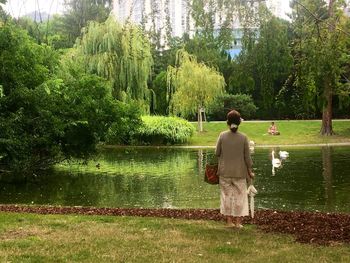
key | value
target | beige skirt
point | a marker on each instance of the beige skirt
(233, 197)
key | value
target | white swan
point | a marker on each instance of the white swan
(275, 161)
(251, 146)
(283, 154)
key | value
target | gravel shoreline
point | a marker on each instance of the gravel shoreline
(306, 227)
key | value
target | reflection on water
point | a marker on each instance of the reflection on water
(306, 179)
(277, 163)
(327, 177)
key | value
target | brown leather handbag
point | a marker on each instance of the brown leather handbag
(211, 176)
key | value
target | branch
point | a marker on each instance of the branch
(320, 20)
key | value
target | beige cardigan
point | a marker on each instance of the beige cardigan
(234, 155)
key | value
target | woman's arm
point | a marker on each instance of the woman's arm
(248, 158)
(218, 146)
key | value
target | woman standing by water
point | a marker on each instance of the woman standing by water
(235, 167)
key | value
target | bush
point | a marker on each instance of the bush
(160, 130)
(123, 130)
(30, 130)
(53, 122)
(240, 102)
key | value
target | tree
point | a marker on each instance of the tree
(121, 54)
(159, 86)
(23, 63)
(50, 32)
(272, 62)
(3, 15)
(319, 48)
(264, 63)
(203, 14)
(227, 102)
(155, 31)
(48, 112)
(80, 13)
(192, 86)
(54, 122)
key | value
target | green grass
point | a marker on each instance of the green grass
(59, 238)
(292, 132)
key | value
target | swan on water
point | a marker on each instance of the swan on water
(275, 161)
(251, 146)
(283, 154)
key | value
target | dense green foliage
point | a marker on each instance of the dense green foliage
(164, 130)
(45, 119)
(3, 15)
(80, 13)
(50, 32)
(192, 85)
(320, 51)
(226, 102)
(23, 62)
(53, 122)
(120, 54)
(159, 86)
(123, 129)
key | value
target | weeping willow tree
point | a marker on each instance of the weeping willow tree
(192, 86)
(120, 54)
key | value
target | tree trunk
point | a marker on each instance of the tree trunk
(327, 127)
(200, 122)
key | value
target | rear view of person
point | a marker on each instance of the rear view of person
(235, 167)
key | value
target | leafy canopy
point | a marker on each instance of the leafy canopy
(23, 63)
(121, 54)
(192, 85)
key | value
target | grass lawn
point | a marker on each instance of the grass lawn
(61, 238)
(292, 132)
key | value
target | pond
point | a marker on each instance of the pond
(309, 179)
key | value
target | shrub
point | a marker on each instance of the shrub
(240, 102)
(123, 129)
(31, 131)
(164, 130)
(53, 122)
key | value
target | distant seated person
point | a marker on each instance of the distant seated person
(273, 129)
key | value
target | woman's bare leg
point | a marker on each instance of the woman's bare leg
(229, 220)
(238, 222)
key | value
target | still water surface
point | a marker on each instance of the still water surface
(309, 179)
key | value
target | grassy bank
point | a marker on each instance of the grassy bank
(57, 238)
(292, 132)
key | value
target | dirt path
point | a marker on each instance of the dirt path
(307, 227)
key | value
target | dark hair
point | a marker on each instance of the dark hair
(233, 117)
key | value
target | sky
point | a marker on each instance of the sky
(285, 4)
(19, 8)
